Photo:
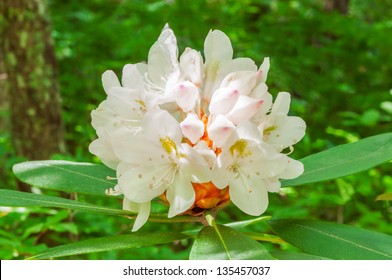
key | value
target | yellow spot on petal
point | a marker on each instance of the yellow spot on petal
(168, 144)
(240, 148)
(268, 130)
(143, 106)
(141, 102)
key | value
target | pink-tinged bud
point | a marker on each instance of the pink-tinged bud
(223, 100)
(220, 130)
(192, 128)
(245, 108)
(243, 81)
(186, 94)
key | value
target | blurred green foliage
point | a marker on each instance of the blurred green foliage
(337, 67)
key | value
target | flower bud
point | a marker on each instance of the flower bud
(191, 64)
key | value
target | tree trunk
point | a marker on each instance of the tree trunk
(30, 65)
(337, 5)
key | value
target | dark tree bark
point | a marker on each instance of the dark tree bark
(30, 66)
(4, 113)
(337, 5)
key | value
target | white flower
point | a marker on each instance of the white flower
(195, 133)
(251, 168)
(279, 129)
(157, 162)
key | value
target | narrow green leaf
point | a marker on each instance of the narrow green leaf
(109, 243)
(22, 199)
(242, 224)
(334, 241)
(284, 255)
(344, 160)
(226, 244)
(67, 176)
(265, 237)
(384, 196)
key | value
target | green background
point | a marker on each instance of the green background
(336, 66)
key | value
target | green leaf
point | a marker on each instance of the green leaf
(285, 255)
(384, 196)
(265, 237)
(344, 160)
(109, 243)
(224, 243)
(242, 224)
(67, 176)
(22, 199)
(334, 241)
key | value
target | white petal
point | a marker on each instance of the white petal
(294, 169)
(220, 130)
(221, 175)
(168, 39)
(143, 210)
(245, 108)
(223, 100)
(131, 77)
(103, 149)
(217, 71)
(186, 95)
(217, 47)
(130, 206)
(243, 81)
(209, 156)
(159, 64)
(264, 161)
(192, 128)
(236, 65)
(126, 103)
(103, 115)
(286, 131)
(191, 64)
(143, 183)
(109, 80)
(281, 104)
(273, 184)
(136, 149)
(260, 91)
(250, 196)
(142, 216)
(159, 124)
(162, 57)
(265, 107)
(248, 131)
(220, 178)
(194, 165)
(142, 68)
(264, 70)
(180, 195)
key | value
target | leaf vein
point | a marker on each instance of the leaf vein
(345, 240)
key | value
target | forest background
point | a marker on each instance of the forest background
(333, 56)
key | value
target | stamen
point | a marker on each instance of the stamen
(112, 192)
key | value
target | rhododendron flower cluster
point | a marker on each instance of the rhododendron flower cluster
(194, 132)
